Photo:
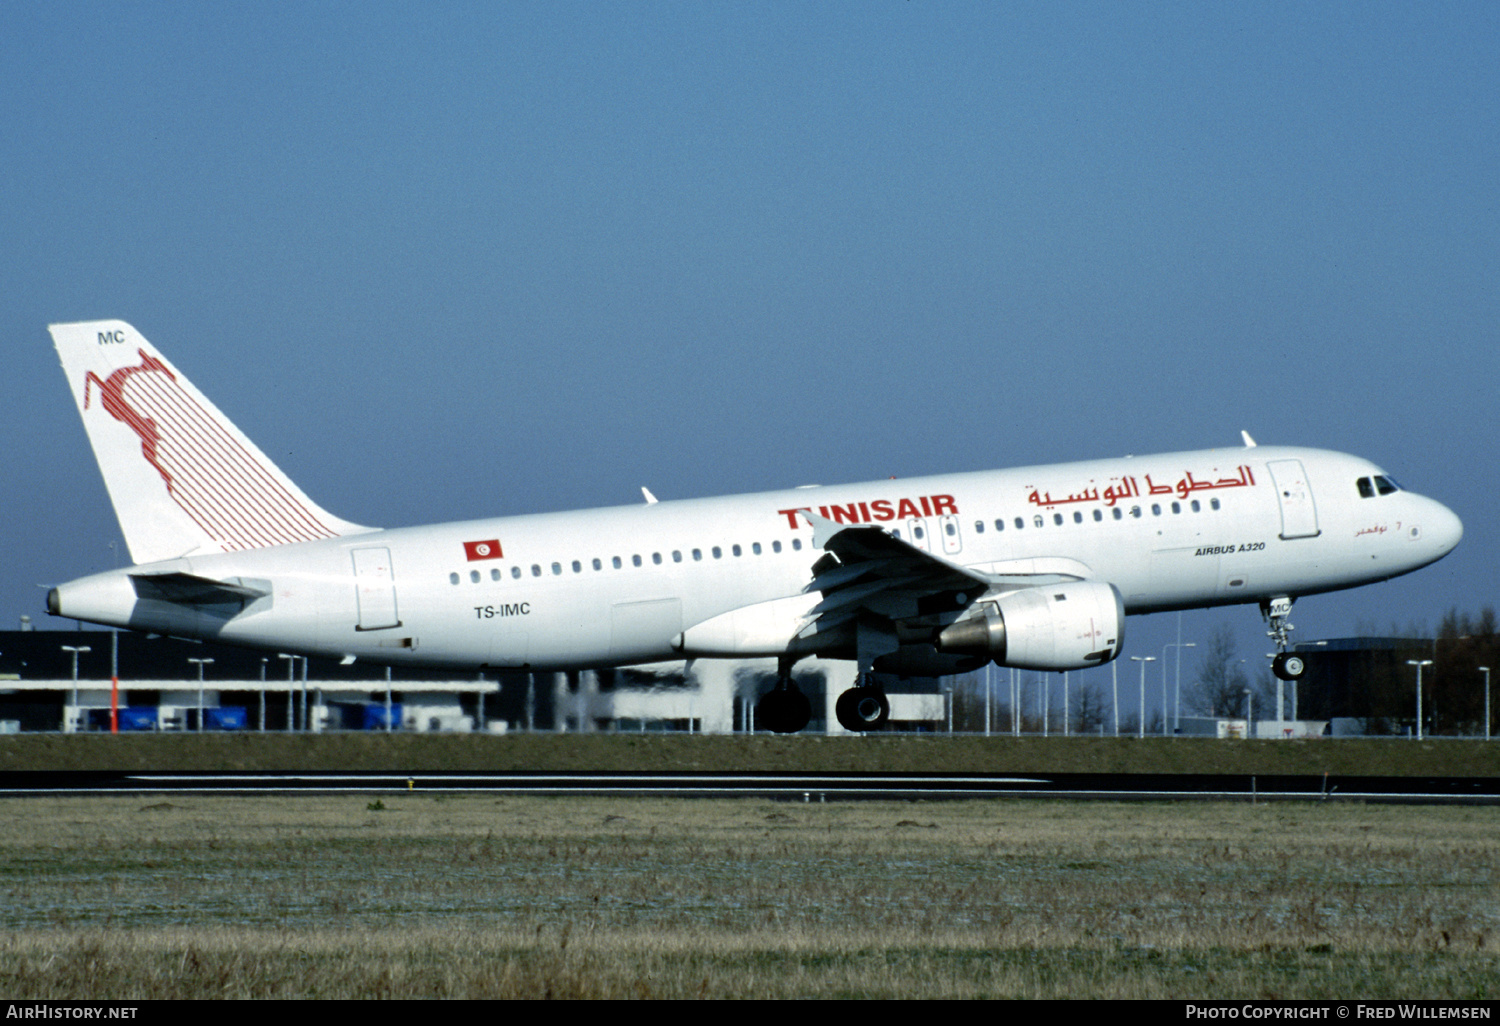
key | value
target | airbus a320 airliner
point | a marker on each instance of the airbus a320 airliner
(1034, 568)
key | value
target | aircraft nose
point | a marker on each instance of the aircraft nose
(1445, 528)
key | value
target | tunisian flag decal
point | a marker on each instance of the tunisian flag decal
(483, 549)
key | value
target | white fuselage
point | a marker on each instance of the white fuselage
(626, 585)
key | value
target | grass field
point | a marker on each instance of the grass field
(485, 897)
(662, 752)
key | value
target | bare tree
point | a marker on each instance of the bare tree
(1089, 712)
(1219, 687)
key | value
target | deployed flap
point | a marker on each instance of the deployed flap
(875, 572)
(182, 478)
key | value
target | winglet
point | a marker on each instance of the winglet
(1249, 442)
(182, 478)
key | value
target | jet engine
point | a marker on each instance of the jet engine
(1047, 627)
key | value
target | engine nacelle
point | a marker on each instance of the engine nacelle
(1050, 627)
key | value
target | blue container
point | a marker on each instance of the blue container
(375, 716)
(137, 717)
(225, 717)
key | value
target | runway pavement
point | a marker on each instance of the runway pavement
(787, 786)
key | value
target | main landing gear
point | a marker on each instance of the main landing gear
(784, 709)
(864, 707)
(1286, 665)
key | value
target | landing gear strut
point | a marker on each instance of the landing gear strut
(1286, 665)
(784, 709)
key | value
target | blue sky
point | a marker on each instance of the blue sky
(453, 260)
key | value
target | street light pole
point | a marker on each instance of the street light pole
(291, 690)
(1114, 673)
(75, 649)
(1143, 660)
(1419, 663)
(1486, 671)
(1177, 698)
(200, 663)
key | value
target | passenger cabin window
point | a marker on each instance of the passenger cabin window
(635, 560)
(495, 574)
(656, 558)
(617, 563)
(796, 544)
(515, 572)
(453, 578)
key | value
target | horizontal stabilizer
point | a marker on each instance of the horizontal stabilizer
(190, 590)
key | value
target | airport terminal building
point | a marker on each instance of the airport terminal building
(64, 681)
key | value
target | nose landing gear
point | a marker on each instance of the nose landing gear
(1277, 612)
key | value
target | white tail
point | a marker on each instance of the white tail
(182, 478)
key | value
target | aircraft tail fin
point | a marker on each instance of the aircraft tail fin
(183, 479)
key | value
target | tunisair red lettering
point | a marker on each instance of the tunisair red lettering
(877, 510)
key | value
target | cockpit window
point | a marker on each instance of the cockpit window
(1385, 485)
(1366, 488)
